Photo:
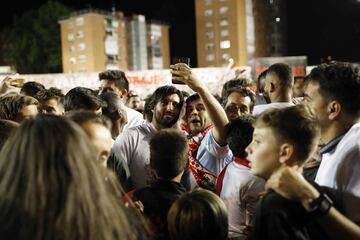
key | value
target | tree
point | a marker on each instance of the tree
(33, 44)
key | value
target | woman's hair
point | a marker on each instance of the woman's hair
(52, 187)
(199, 214)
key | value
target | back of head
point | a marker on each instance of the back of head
(260, 83)
(199, 214)
(240, 135)
(284, 74)
(121, 82)
(341, 82)
(11, 105)
(294, 125)
(113, 104)
(31, 88)
(6, 128)
(81, 98)
(82, 117)
(168, 153)
(48, 172)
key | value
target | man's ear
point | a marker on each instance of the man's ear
(333, 110)
(124, 93)
(272, 87)
(286, 153)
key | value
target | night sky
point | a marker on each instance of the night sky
(315, 28)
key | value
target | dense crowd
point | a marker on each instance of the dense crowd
(273, 158)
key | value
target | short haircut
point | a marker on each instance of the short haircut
(121, 82)
(11, 104)
(259, 86)
(168, 153)
(83, 117)
(81, 98)
(199, 214)
(240, 135)
(6, 128)
(294, 125)
(246, 92)
(31, 88)
(47, 94)
(192, 98)
(284, 73)
(234, 83)
(162, 92)
(340, 82)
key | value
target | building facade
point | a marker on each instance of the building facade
(238, 29)
(94, 40)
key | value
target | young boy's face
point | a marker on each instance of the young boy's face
(263, 153)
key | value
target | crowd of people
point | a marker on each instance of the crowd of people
(274, 158)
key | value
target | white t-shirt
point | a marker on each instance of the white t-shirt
(340, 169)
(258, 109)
(239, 191)
(134, 118)
(132, 146)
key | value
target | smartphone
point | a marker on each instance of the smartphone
(176, 60)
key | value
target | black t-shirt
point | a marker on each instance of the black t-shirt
(279, 218)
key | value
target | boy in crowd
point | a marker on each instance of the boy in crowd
(283, 137)
(169, 168)
(236, 185)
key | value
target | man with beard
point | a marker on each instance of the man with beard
(207, 123)
(132, 146)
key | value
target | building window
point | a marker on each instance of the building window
(224, 33)
(208, 13)
(70, 37)
(81, 46)
(224, 22)
(72, 49)
(210, 57)
(223, 10)
(225, 44)
(209, 24)
(72, 60)
(208, 2)
(82, 58)
(79, 21)
(210, 35)
(209, 46)
(225, 56)
(80, 34)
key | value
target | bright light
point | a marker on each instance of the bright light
(231, 60)
(277, 19)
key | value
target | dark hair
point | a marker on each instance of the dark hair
(284, 73)
(199, 214)
(80, 98)
(234, 83)
(185, 94)
(31, 88)
(6, 128)
(246, 92)
(112, 104)
(295, 125)
(240, 135)
(47, 94)
(49, 174)
(259, 87)
(148, 107)
(81, 117)
(164, 91)
(12, 103)
(121, 82)
(192, 98)
(340, 82)
(168, 153)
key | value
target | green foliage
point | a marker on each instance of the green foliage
(33, 44)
